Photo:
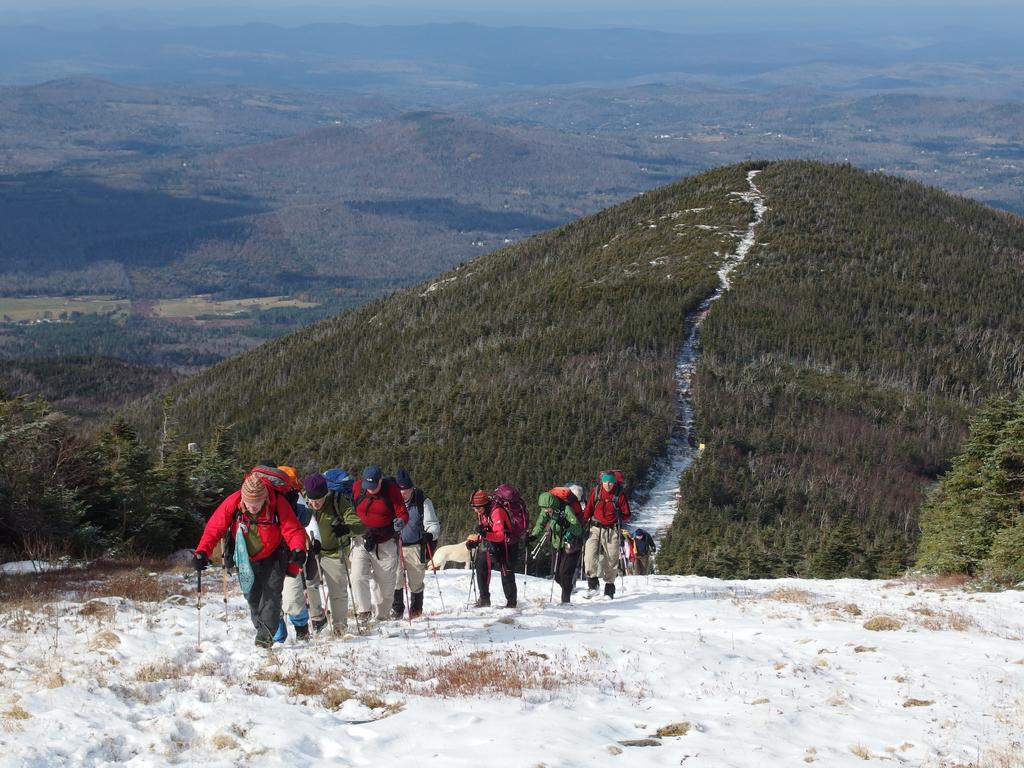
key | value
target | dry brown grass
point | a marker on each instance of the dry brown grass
(336, 695)
(16, 712)
(883, 624)
(159, 671)
(674, 729)
(104, 639)
(864, 649)
(917, 703)
(129, 579)
(100, 611)
(223, 741)
(861, 751)
(790, 595)
(938, 619)
(506, 672)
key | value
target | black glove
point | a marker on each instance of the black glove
(428, 539)
(480, 529)
(472, 543)
(314, 548)
(200, 561)
(297, 556)
(340, 529)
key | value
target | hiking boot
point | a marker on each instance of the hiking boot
(302, 633)
(510, 604)
(592, 584)
(319, 624)
(363, 616)
(416, 605)
(609, 590)
(483, 602)
(264, 642)
(397, 605)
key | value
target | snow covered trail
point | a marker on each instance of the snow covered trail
(761, 673)
(656, 512)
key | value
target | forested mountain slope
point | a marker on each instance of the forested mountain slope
(836, 378)
(537, 364)
(838, 374)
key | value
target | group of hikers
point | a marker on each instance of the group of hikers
(305, 548)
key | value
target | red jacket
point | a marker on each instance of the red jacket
(379, 510)
(497, 526)
(277, 507)
(602, 506)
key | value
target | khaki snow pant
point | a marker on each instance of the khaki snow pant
(643, 565)
(380, 563)
(414, 568)
(601, 556)
(293, 596)
(334, 572)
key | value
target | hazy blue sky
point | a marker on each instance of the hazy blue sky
(483, 5)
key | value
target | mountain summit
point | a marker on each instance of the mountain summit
(833, 383)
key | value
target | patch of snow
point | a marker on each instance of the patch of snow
(21, 567)
(439, 284)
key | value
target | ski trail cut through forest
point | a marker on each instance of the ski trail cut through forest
(656, 513)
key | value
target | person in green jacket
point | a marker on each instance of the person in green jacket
(337, 522)
(560, 526)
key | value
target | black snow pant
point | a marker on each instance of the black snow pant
(503, 557)
(566, 565)
(265, 596)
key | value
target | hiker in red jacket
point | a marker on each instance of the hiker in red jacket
(606, 511)
(271, 537)
(497, 547)
(381, 508)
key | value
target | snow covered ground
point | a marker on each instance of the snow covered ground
(768, 673)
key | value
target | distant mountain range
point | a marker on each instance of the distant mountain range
(442, 55)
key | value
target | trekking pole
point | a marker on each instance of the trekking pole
(622, 556)
(554, 575)
(324, 603)
(436, 579)
(199, 610)
(224, 582)
(526, 566)
(351, 592)
(472, 576)
(405, 576)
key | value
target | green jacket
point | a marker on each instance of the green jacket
(565, 528)
(337, 508)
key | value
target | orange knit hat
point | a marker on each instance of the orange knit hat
(253, 490)
(479, 498)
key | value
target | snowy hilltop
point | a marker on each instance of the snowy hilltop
(674, 671)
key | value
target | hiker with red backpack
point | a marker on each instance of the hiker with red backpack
(559, 524)
(379, 505)
(502, 520)
(607, 509)
(267, 537)
(417, 545)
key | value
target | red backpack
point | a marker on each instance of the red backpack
(508, 498)
(618, 491)
(272, 477)
(566, 496)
